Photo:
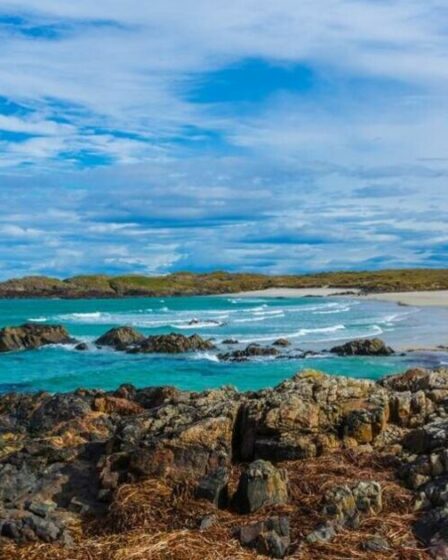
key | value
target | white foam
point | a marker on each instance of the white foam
(205, 356)
(38, 319)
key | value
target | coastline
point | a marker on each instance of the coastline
(436, 298)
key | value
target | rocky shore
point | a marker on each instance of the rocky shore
(318, 467)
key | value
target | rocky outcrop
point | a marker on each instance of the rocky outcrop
(129, 340)
(172, 344)
(363, 347)
(120, 338)
(31, 336)
(251, 351)
(64, 457)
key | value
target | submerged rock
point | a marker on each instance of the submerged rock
(30, 336)
(363, 347)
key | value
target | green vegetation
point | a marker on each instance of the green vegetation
(186, 283)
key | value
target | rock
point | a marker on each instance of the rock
(322, 534)
(30, 336)
(116, 405)
(172, 344)
(363, 347)
(302, 417)
(207, 521)
(214, 487)
(346, 504)
(270, 537)
(82, 347)
(261, 485)
(251, 351)
(283, 342)
(120, 338)
(230, 341)
(377, 543)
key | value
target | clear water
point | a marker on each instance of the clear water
(309, 323)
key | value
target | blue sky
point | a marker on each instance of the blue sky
(265, 136)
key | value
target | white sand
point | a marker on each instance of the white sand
(420, 299)
(292, 292)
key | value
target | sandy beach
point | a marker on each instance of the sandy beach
(419, 299)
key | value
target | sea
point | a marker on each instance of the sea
(309, 323)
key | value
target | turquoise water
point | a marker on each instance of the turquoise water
(309, 323)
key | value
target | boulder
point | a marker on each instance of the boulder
(120, 338)
(30, 336)
(213, 487)
(270, 537)
(261, 485)
(363, 347)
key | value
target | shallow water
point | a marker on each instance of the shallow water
(309, 323)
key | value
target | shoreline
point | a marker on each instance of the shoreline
(436, 298)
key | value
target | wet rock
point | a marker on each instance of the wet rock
(172, 344)
(214, 487)
(282, 342)
(120, 338)
(82, 347)
(363, 347)
(261, 485)
(251, 351)
(230, 341)
(30, 336)
(270, 537)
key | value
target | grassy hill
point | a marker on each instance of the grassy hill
(186, 283)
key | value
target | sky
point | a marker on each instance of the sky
(279, 137)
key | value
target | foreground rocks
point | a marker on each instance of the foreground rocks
(30, 336)
(69, 457)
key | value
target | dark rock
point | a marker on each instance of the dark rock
(261, 485)
(120, 338)
(363, 347)
(346, 504)
(82, 347)
(283, 342)
(270, 537)
(323, 533)
(172, 344)
(214, 487)
(230, 341)
(251, 351)
(30, 336)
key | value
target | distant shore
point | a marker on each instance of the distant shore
(438, 298)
